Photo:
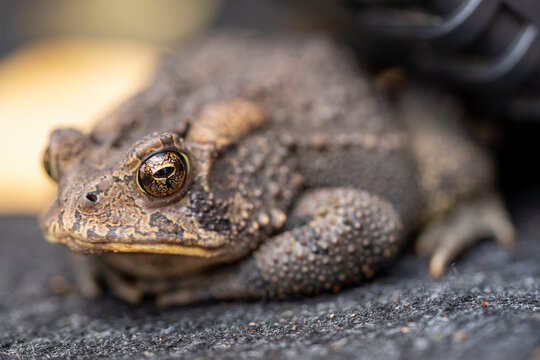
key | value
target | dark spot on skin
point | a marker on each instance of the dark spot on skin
(90, 233)
(137, 227)
(157, 219)
(104, 191)
(60, 218)
(111, 234)
(77, 224)
(165, 226)
(164, 234)
(128, 198)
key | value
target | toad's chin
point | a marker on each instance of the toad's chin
(95, 248)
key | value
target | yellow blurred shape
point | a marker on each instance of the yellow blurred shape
(156, 21)
(52, 84)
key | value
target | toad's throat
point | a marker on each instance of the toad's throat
(170, 249)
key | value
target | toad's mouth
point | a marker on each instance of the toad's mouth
(87, 247)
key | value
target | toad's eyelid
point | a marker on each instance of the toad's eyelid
(150, 145)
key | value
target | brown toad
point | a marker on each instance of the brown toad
(261, 167)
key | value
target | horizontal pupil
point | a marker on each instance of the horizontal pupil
(164, 172)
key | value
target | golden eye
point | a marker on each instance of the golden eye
(50, 168)
(163, 174)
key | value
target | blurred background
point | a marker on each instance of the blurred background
(67, 63)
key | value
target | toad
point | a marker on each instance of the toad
(260, 167)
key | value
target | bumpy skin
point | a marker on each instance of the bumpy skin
(301, 179)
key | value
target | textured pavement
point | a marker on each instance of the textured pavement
(487, 306)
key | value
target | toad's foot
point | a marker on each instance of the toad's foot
(446, 238)
(86, 275)
(121, 287)
(89, 275)
(338, 237)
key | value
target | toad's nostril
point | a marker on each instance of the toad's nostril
(91, 196)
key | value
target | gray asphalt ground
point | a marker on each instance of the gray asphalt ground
(487, 306)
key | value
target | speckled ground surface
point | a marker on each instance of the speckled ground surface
(486, 307)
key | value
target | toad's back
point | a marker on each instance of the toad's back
(309, 90)
(317, 95)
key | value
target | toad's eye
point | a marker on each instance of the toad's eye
(49, 165)
(163, 174)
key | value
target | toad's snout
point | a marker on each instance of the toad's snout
(89, 201)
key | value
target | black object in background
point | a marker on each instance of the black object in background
(487, 49)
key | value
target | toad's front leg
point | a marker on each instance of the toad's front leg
(337, 237)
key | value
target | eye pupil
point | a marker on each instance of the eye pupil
(164, 172)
